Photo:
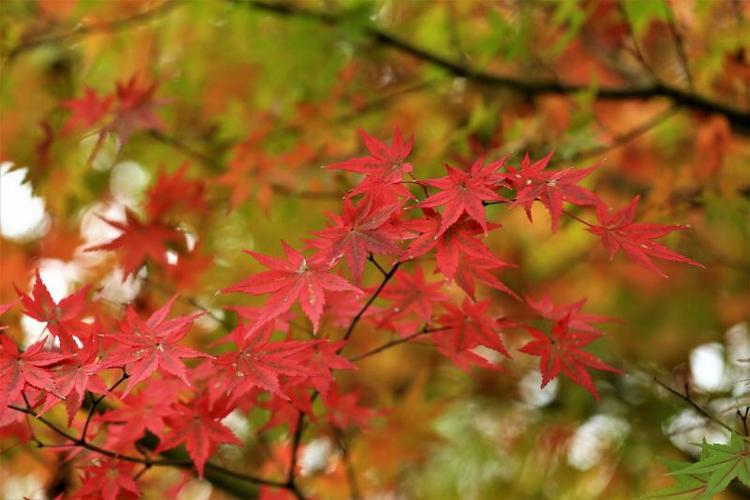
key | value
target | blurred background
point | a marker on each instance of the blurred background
(254, 97)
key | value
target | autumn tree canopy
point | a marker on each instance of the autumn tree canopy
(365, 248)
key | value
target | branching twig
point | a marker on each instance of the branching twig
(686, 398)
(738, 119)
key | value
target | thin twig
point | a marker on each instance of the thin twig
(679, 43)
(686, 398)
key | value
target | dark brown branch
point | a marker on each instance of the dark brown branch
(689, 400)
(86, 29)
(738, 119)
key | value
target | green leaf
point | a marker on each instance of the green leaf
(722, 463)
(687, 485)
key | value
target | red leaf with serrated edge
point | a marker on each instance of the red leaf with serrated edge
(87, 111)
(562, 353)
(257, 363)
(618, 232)
(359, 231)
(460, 255)
(470, 326)
(464, 192)
(110, 479)
(552, 187)
(145, 346)
(139, 241)
(61, 318)
(30, 368)
(384, 162)
(410, 296)
(290, 280)
(199, 426)
(175, 190)
(577, 319)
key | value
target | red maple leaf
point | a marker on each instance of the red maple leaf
(61, 318)
(409, 294)
(387, 163)
(577, 319)
(135, 106)
(470, 326)
(30, 368)
(198, 425)
(618, 232)
(359, 231)
(109, 479)
(145, 346)
(460, 255)
(74, 376)
(563, 353)
(292, 279)
(139, 241)
(552, 188)
(257, 363)
(465, 192)
(345, 411)
(174, 190)
(87, 111)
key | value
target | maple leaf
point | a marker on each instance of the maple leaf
(198, 425)
(61, 318)
(359, 231)
(465, 192)
(563, 353)
(144, 411)
(109, 479)
(552, 188)
(139, 241)
(618, 232)
(460, 255)
(577, 320)
(410, 294)
(30, 368)
(292, 279)
(134, 110)
(258, 363)
(721, 463)
(344, 410)
(324, 357)
(173, 190)
(145, 346)
(86, 111)
(386, 163)
(469, 326)
(74, 376)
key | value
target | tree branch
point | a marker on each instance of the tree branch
(738, 119)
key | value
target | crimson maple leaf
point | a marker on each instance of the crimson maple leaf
(324, 357)
(465, 192)
(198, 425)
(257, 363)
(470, 326)
(135, 106)
(618, 232)
(345, 411)
(74, 376)
(359, 231)
(384, 162)
(61, 318)
(552, 188)
(410, 294)
(577, 319)
(563, 353)
(173, 190)
(30, 368)
(139, 241)
(292, 279)
(109, 479)
(145, 346)
(460, 255)
(87, 111)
